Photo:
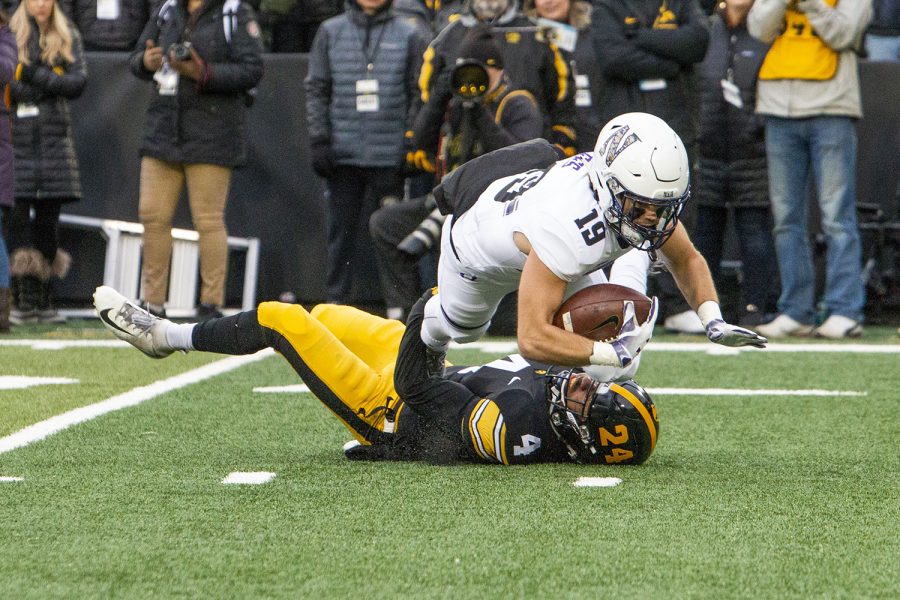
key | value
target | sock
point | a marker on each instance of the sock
(179, 335)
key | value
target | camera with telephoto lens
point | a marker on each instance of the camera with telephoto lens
(181, 51)
(469, 80)
(423, 237)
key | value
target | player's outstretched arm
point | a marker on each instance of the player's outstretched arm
(692, 275)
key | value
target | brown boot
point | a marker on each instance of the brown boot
(5, 301)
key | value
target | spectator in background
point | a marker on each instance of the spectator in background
(360, 101)
(883, 35)
(109, 24)
(292, 24)
(809, 91)
(730, 173)
(51, 72)
(495, 116)
(531, 63)
(572, 34)
(429, 17)
(204, 57)
(647, 50)
(9, 58)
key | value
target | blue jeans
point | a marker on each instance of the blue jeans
(4, 258)
(826, 148)
(883, 47)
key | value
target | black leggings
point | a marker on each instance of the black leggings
(42, 233)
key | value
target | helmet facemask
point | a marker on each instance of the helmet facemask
(569, 412)
(583, 409)
(627, 207)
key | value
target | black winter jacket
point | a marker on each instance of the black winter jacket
(504, 117)
(9, 58)
(45, 165)
(641, 45)
(204, 121)
(109, 34)
(731, 166)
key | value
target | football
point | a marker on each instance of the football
(596, 312)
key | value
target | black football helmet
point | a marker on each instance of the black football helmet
(602, 423)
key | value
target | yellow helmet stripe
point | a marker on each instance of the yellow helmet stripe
(639, 406)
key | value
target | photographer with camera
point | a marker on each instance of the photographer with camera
(485, 112)
(195, 133)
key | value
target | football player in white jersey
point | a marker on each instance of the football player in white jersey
(550, 232)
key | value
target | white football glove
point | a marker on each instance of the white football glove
(632, 338)
(720, 332)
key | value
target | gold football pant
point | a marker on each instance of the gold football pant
(346, 357)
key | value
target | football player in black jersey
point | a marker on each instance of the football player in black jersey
(372, 374)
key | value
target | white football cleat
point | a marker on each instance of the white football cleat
(131, 323)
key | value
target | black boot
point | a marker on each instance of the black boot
(46, 312)
(26, 300)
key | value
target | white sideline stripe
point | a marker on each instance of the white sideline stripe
(716, 349)
(133, 397)
(12, 479)
(597, 482)
(64, 344)
(510, 346)
(748, 392)
(298, 388)
(15, 382)
(249, 477)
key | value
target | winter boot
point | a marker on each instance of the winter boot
(46, 312)
(28, 268)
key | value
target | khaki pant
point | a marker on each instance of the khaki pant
(161, 185)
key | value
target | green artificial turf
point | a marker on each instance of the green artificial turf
(745, 496)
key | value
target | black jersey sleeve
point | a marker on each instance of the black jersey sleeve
(439, 400)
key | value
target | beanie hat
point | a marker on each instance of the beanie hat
(479, 44)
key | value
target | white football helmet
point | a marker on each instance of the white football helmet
(638, 157)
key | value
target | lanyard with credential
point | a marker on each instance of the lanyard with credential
(370, 56)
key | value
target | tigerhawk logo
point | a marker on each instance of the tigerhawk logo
(616, 144)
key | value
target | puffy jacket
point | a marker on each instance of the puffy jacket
(109, 34)
(338, 61)
(204, 121)
(9, 58)
(45, 165)
(530, 62)
(731, 147)
(647, 50)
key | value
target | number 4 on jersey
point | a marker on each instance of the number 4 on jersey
(530, 443)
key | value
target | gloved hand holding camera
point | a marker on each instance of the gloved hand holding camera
(185, 60)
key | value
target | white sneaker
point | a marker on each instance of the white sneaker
(838, 327)
(783, 326)
(684, 322)
(131, 323)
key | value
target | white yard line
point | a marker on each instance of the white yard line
(298, 388)
(510, 346)
(710, 348)
(748, 392)
(249, 478)
(133, 397)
